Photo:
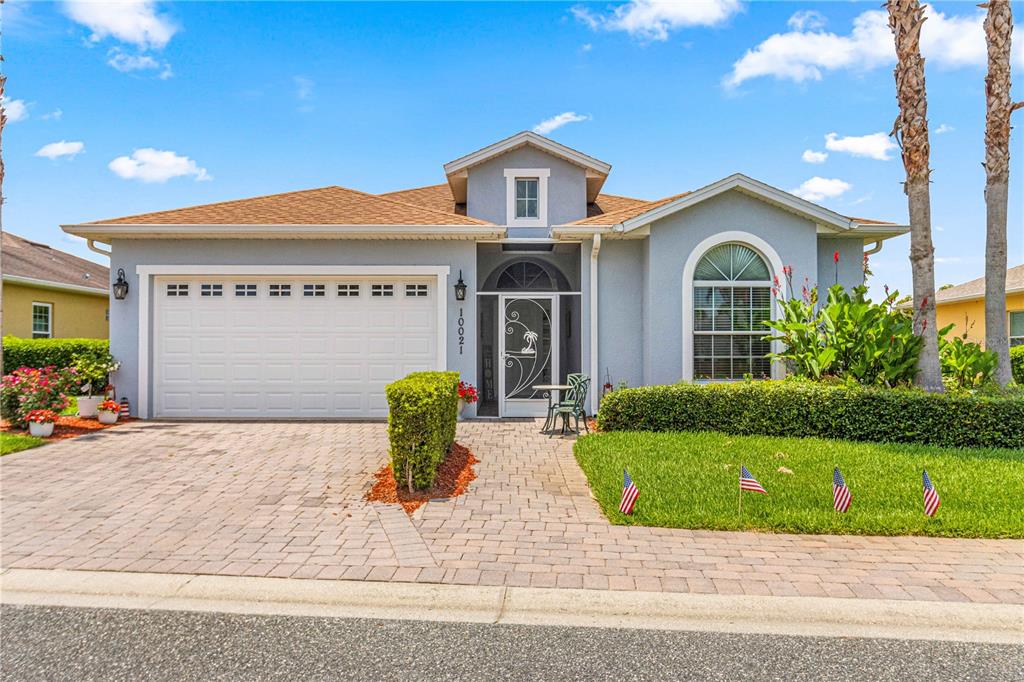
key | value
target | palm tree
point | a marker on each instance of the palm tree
(999, 106)
(911, 131)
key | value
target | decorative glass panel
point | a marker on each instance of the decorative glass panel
(348, 290)
(314, 290)
(245, 290)
(732, 263)
(211, 290)
(525, 276)
(382, 290)
(280, 290)
(416, 290)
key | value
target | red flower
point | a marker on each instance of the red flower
(835, 257)
(924, 302)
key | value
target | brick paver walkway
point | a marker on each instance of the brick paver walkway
(285, 499)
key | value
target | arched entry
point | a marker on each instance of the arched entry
(529, 331)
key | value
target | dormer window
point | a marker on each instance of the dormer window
(527, 197)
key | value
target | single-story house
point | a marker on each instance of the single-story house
(51, 294)
(963, 306)
(514, 272)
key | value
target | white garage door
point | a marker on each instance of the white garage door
(288, 347)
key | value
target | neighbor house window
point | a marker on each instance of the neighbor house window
(731, 300)
(1017, 328)
(527, 197)
(42, 320)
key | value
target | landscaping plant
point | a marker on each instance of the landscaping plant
(966, 364)
(27, 389)
(468, 393)
(94, 371)
(423, 408)
(41, 417)
(1017, 364)
(49, 352)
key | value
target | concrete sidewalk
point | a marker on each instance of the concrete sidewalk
(807, 616)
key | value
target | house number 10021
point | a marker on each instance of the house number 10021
(461, 330)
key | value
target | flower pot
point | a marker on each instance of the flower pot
(107, 417)
(87, 405)
(41, 429)
(462, 407)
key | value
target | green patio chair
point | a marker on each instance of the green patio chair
(575, 403)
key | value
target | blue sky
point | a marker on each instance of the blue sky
(153, 105)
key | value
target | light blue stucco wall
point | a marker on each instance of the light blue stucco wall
(675, 237)
(620, 312)
(128, 254)
(851, 263)
(567, 189)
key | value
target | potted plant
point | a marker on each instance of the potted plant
(108, 411)
(467, 396)
(40, 423)
(93, 370)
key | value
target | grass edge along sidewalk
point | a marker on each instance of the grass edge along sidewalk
(690, 480)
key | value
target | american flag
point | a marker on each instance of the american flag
(748, 482)
(840, 493)
(629, 494)
(931, 496)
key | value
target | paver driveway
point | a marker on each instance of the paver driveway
(285, 499)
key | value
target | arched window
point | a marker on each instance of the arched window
(526, 274)
(731, 299)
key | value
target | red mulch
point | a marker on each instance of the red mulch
(68, 426)
(452, 479)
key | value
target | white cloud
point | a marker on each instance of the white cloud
(811, 156)
(807, 52)
(154, 165)
(806, 20)
(944, 128)
(130, 21)
(54, 115)
(873, 146)
(303, 87)
(655, 19)
(586, 47)
(16, 109)
(127, 63)
(555, 122)
(818, 188)
(55, 150)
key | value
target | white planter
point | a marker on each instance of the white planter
(107, 417)
(462, 408)
(87, 405)
(41, 430)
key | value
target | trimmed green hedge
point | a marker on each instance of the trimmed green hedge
(46, 352)
(421, 424)
(796, 408)
(1017, 364)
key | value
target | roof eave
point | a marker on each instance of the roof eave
(56, 286)
(106, 232)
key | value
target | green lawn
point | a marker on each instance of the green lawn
(11, 442)
(691, 480)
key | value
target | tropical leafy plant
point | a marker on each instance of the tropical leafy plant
(964, 363)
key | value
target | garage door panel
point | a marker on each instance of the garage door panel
(287, 356)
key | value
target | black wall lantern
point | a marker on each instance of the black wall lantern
(460, 289)
(120, 286)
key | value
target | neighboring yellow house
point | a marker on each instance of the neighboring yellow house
(51, 294)
(963, 305)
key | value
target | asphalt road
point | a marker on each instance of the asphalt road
(57, 643)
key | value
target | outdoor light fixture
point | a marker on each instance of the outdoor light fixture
(120, 286)
(460, 289)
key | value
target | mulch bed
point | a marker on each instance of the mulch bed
(68, 426)
(452, 479)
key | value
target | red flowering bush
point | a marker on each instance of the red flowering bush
(108, 406)
(27, 389)
(468, 393)
(41, 416)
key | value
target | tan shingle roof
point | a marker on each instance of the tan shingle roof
(976, 287)
(24, 258)
(323, 206)
(626, 212)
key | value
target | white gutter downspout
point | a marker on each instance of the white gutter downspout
(594, 385)
(92, 247)
(874, 249)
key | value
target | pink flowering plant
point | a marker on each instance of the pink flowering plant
(28, 389)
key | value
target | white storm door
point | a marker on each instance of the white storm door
(528, 349)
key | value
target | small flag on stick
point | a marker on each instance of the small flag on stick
(748, 482)
(629, 494)
(840, 493)
(931, 496)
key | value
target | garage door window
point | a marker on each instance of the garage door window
(416, 290)
(280, 290)
(348, 290)
(382, 290)
(211, 290)
(245, 290)
(314, 290)
(177, 290)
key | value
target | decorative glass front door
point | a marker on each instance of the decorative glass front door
(527, 356)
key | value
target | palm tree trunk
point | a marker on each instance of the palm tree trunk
(911, 129)
(998, 107)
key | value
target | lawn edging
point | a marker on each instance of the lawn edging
(808, 409)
